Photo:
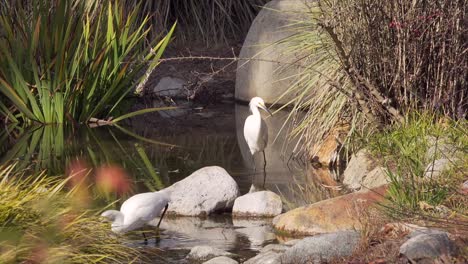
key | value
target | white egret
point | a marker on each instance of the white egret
(256, 131)
(138, 210)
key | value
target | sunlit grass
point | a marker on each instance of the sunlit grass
(45, 220)
(408, 149)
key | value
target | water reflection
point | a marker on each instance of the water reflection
(158, 151)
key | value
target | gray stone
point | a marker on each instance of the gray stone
(322, 248)
(375, 178)
(169, 86)
(258, 204)
(424, 248)
(264, 62)
(221, 260)
(205, 191)
(358, 167)
(203, 253)
(435, 168)
(268, 257)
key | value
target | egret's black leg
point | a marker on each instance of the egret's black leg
(162, 215)
(254, 168)
(264, 168)
(146, 240)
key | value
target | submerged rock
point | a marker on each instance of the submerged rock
(221, 260)
(425, 248)
(258, 204)
(322, 248)
(205, 191)
(331, 215)
(203, 253)
(170, 86)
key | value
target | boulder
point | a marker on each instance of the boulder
(258, 204)
(425, 248)
(261, 69)
(358, 167)
(171, 87)
(203, 253)
(221, 260)
(331, 215)
(322, 248)
(375, 178)
(205, 191)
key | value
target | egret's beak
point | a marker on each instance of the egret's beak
(262, 106)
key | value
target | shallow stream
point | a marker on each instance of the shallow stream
(160, 148)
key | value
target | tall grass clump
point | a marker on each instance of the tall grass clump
(42, 223)
(370, 62)
(410, 149)
(70, 60)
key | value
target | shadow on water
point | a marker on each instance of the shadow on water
(159, 149)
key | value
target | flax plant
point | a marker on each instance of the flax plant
(71, 60)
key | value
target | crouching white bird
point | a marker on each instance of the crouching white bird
(256, 130)
(138, 210)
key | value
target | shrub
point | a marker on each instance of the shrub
(370, 62)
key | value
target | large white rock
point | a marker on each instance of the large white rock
(261, 69)
(205, 191)
(258, 204)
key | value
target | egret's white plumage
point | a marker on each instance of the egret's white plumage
(138, 210)
(255, 129)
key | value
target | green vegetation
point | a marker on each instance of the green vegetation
(71, 60)
(408, 151)
(43, 221)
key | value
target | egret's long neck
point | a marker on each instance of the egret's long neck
(118, 219)
(255, 111)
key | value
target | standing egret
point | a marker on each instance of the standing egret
(138, 210)
(256, 131)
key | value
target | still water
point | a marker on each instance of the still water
(161, 148)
